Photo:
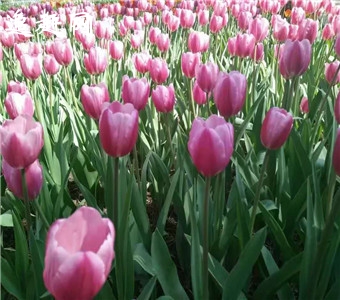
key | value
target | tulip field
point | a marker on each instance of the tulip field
(170, 150)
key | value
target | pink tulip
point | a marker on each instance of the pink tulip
(141, 61)
(163, 42)
(93, 97)
(135, 91)
(328, 32)
(336, 156)
(147, 17)
(295, 58)
(77, 268)
(173, 23)
(96, 61)
(88, 40)
(304, 107)
(203, 17)
(154, 32)
(1, 53)
(297, 15)
(31, 66)
(198, 41)
(103, 30)
(308, 29)
(33, 177)
(259, 28)
(187, 18)
(232, 46)
(276, 128)
(244, 45)
(207, 75)
(163, 98)
(332, 74)
(337, 108)
(280, 28)
(211, 144)
(62, 51)
(30, 48)
(116, 49)
(137, 39)
(16, 86)
(199, 95)
(158, 69)
(189, 62)
(51, 65)
(7, 38)
(19, 104)
(216, 23)
(21, 141)
(244, 19)
(118, 128)
(337, 46)
(258, 53)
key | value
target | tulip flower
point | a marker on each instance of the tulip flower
(19, 104)
(336, 151)
(135, 91)
(103, 30)
(62, 51)
(118, 128)
(141, 61)
(332, 73)
(96, 61)
(207, 75)
(211, 144)
(154, 32)
(304, 107)
(276, 128)
(308, 29)
(21, 141)
(31, 66)
(203, 17)
(158, 69)
(77, 268)
(7, 38)
(137, 39)
(244, 19)
(280, 28)
(337, 108)
(328, 32)
(173, 23)
(244, 45)
(259, 28)
(51, 65)
(189, 62)
(216, 23)
(93, 97)
(88, 41)
(16, 86)
(337, 46)
(198, 41)
(33, 177)
(163, 98)
(295, 58)
(198, 94)
(187, 18)
(230, 93)
(163, 42)
(116, 49)
(258, 52)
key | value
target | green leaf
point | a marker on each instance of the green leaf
(6, 219)
(240, 273)
(148, 289)
(143, 258)
(10, 281)
(165, 268)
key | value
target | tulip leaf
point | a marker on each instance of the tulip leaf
(165, 268)
(6, 219)
(10, 281)
(148, 289)
(143, 258)
(241, 271)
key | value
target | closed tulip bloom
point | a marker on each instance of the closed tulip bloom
(232, 46)
(31, 66)
(77, 268)
(96, 61)
(116, 49)
(173, 23)
(280, 28)
(276, 128)
(337, 108)
(211, 144)
(187, 18)
(259, 28)
(199, 95)
(327, 32)
(244, 19)
(136, 39)
(163, 42)
(103, 30)
(295, 58)
(198, 41)
(30, 48)
(88, 41)
(189, 62)
(337, 46)
(51, 65)
(33, 177)
(158, 69)
(216, 23)
(207, 75)
(19, 104)
(118, 128)
(308, 29)
(93, 97)
(230, 93)
(7, 38)
(298, 14)
(154, 32)
(203, 17)
(304, 107)
(164, 98)
(135, 91)
(141, 61)
(21, 141)
(62, 51)
(332, 74)
(244, 45)
(336, 151)
(258, 53)
(16, 86)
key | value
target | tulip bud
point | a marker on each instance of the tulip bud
(163, 98)
(332, 74)
(211, 144)
(187, 18)
(336, 151)
(135, 91)
(276, 128)
(304, 107)
(198, 94)
(118, 128)
(62, 51)
(31, 66)
(337, 46)
(163, 42)
(51, 65)
(77, 268)
(337, 108)
(141, 61)
(206, 76)
(158, 69)
(33, 177)
(189, 62)
(116, 49)
(96, 61)
(198, 42)
(19, 104)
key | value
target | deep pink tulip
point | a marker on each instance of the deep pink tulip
(198, 41)
(141, 61)
(243, 20)
(77, 268)
(7, 38)
(280, 28)
(116, 49)
(16, 86)
(232, 46)
(30, 48)
(297, 15)
(244, 45)
(207, 75)
(276, 128)
(33, 177)
(230, 93)
(211, 144)
(51, 65)
(93, 97)
(187, 18)
(31, 66)
(88, 41)
(163, 98)
(62, 51)
(158, 69)
(337, 46)
(337, 108)
(19, 104)
(103, 30)
(189, 62)
(216, 23)
(258, 53)
(173, 23)
(331, 74)
(336, 151)
(118, 128)
(308, 29)
(304, 107)
(21, 141)
(163, 42)
(259, 28)
(328, 32)
(203, 17)
(96, 61)
(154, 32)
(200, 97)
(135, 91)
(295, 58)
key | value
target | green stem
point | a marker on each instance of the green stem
(51, 98)
(258, 190)
(26, 200)
(168, 125)
(290, 95)
(192, 102)
(136, 165)
(115, 191)
(205, 234)
(41, 213)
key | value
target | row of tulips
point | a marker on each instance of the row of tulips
(238, 149)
